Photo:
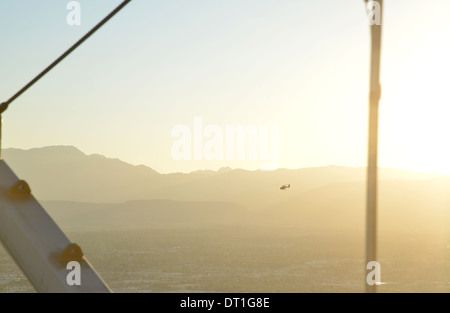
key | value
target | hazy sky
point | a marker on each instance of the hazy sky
(301, 65)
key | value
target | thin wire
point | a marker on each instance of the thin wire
(5, 105)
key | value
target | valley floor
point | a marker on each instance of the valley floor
(249, 259)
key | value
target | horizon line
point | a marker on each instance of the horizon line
(229, 168)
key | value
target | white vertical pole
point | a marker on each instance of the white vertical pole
(372, 169)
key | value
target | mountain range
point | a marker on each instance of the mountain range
(82, 190)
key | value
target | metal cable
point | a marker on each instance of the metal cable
(5, 105)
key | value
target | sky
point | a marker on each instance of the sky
(299, 67)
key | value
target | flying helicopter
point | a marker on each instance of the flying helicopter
(285, 187)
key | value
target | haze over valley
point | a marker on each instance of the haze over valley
(194, 218)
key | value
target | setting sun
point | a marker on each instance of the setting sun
(415, 106)
(217, 147)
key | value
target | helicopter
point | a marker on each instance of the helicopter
(284, 187)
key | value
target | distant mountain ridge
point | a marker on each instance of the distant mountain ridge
(65, 173)
(145, 214)
(92, 191)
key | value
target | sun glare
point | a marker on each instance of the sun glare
(415, 118)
